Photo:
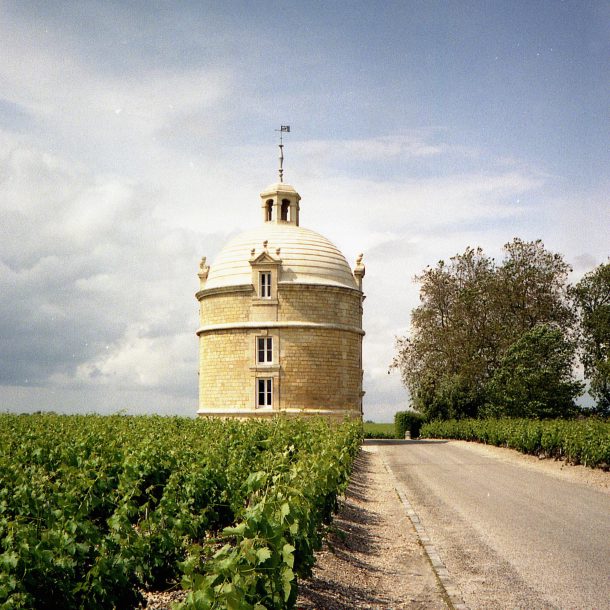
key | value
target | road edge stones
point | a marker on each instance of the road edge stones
(449, 587)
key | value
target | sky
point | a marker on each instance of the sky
(135, 138)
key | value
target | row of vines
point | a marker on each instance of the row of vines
(584, 441)
(93, 510)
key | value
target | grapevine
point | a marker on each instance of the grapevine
(95, 509)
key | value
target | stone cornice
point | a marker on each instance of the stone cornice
(208, 292)
(271, 324)
(325, 287)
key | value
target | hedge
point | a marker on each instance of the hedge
(584, 441)
(408, 421)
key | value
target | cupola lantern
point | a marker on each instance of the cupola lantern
(280, 204)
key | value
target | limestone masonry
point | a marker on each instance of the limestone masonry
(280, 321)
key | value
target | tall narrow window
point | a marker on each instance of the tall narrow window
(265, 284)
(285, 209)
(264, 392)
(269, 210)
(264, 350)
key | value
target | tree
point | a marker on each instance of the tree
(472, 310)
(532, 289)
(444, 361)
(535, 378)
(592, 300)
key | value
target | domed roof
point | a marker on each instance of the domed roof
(306, 258)
(278, 187)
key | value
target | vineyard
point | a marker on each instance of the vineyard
(93, 510)
(584, 442)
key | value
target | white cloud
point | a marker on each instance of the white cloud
(330, 152)
(361, 215)
(164, 362)
(91, 281)
(578, 226)
(56, 85)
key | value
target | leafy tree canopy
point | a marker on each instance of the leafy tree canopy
(534, 379)
(592, 300)
(472, 310)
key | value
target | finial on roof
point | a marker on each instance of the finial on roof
(204, 270)
(283, 129)
(359, 270)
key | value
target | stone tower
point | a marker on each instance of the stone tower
(280, 321)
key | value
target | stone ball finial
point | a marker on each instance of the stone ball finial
(252, 252)
(265, 244)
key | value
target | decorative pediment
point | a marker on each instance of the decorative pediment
(265, 258)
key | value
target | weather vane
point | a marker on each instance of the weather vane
(283, 129)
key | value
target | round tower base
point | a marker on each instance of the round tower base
(334, 414)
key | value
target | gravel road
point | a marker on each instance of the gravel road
(511, 534)
(373, 559)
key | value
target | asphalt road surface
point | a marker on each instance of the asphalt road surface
(510, 536)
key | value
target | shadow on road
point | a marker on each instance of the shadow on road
(350, 537)
(398, 441)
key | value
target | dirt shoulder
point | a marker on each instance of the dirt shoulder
(374, 559)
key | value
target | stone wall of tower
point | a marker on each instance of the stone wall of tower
(317, 343)
(296, 302)
(222, 307)
(321, 304)
(320, 368)
(224, 370)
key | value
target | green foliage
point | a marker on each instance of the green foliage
(534, 378)
(278, 533)
(92, 509)
(408, 421)
(585, 441)
(472, 310)
(258, 567)
(455, 396)
(373, 430)
(592, 299)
